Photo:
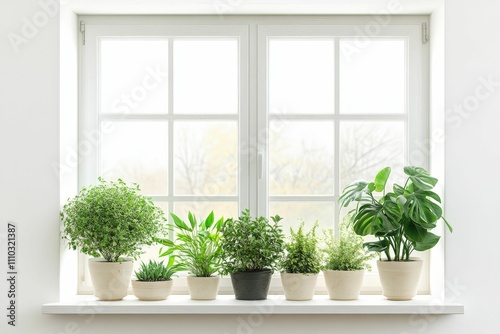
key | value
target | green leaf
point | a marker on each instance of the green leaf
(355, 192)
(192, 220)
(209, 220)
(180, 223)
(420, 177)
(422, 210)
(414, 231)
(377, 246)
(381, 178)
(430, 240)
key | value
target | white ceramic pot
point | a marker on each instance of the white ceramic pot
(299, 286)
(158, 290)
(110, 279)
(203, 288)
(400, 279)
(343, 285)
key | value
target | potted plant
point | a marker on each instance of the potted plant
(154, 279)
(401, 220)
(301, 264)
(345, 261)
(198, 246)
(251, 250)
(111, 222)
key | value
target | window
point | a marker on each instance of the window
(274, 114)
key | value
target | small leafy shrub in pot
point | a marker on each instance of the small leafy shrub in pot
(346, 253)
(301, 252)
(111, 220)
(301, 264)
(251, 250)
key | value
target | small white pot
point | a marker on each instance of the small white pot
(343, 285)
(203, 288)
(158, 290)
(110, 279)
(400, 279)
(299, 286)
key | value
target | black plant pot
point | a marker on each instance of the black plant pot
(251, 285)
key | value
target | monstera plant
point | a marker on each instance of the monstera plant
(401, 219)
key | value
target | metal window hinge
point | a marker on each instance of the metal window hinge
(82, 30)
(425, 33)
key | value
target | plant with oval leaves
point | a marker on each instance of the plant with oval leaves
(251, 244)
(401, 219)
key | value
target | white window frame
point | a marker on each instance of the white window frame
(253, 32)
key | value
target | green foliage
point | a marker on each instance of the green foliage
(302, 255)
(347, 252)
(197, 244)
(111, 220)
(251, 244)
(401, 219)
(157, 271)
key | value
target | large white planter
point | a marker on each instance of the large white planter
(343, 285)
(299, 286)
(158, 290)
(203, 288)
(110, 279)
(400, 279)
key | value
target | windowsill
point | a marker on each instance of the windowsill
(275, 304)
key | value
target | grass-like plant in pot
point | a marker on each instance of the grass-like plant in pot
(111, 222)
(301, 264)
(198, 246)
(401, 220)
(251, 251)
(154, 279)
(344, 262)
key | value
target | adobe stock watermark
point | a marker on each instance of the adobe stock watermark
(455, 116)
(31, 26)
(251, 322)
(372, 28)
(420, 321)
(121, 106)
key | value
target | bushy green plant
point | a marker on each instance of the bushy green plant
(157, 271)
(346, 253)
(111, 220)
(251, 244)
(401, 219)
(302, 255)
(197, 245)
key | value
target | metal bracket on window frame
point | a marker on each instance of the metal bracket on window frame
(425, 33)
(82, 30)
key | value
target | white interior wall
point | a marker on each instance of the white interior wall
(31, 106)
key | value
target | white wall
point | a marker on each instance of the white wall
(29, 188)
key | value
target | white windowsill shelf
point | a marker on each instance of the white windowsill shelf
(275, 304)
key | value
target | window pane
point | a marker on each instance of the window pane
(301, 157)
(206, 158)
(293, 213)
(206, 76)
(202, 208)
(301, 76)
(136, 152)
(367, 147)
(372, 78)
(134, 76)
